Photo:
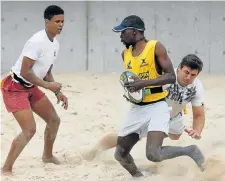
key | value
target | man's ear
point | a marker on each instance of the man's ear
(46, 21)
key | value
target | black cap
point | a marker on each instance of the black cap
(132, 21)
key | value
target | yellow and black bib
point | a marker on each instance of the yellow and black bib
(144, 67)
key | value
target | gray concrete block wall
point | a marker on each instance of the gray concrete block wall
(20, 20)
(183, 28)
(217, 38)
(87, 41)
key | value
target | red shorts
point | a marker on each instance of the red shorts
(16, 97)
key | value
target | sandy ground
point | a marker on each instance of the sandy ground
(96, 108)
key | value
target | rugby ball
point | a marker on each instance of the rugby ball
(135, 97)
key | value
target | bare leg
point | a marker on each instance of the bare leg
(46, 111)
(107, 142)
(155, 152)
(122, 153)
(27, 123)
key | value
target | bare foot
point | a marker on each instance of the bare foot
(5, 172)
(92, 153)
(89, 155)
(53, 160)
(198, 157)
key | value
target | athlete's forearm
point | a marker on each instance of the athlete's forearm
(32, 78)
(167, 78)
(198, 123)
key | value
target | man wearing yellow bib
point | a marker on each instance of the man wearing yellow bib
(148, 60)
(187, 89)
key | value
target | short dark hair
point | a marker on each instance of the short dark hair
(192, 61)
(52, 10)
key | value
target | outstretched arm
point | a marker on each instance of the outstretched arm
(198, 118)
(198, 111)
(198, 122)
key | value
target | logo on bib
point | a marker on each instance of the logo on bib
(144, 75)
(143, 63)
(129, 65)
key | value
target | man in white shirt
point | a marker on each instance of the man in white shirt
(20, 90)
(187, 89)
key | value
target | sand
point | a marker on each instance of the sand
(96, 107)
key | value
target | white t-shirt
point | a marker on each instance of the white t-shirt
(178, 96)
(40, 49)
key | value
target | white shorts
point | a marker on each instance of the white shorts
(142, 119)
(176, 125)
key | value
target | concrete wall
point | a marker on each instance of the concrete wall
(87, 41)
